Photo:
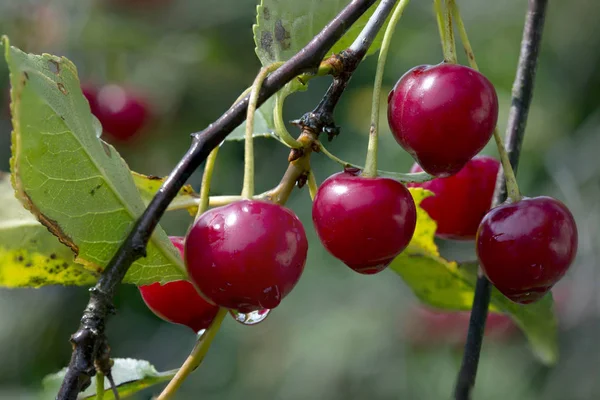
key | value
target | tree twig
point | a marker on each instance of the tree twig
(522, 94)
(89, 340)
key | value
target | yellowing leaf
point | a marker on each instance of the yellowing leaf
(449, 285)
(75, 184)
(30, 256)
(148, 186)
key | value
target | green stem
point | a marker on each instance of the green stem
(417, 177)
(248, 187)
(312, 184)
(371, 162)
(99, 385)
(209, 168)
(512, 187)
(196, 356)
(280, 128)
(444, 19)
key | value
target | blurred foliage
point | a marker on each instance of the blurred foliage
(338, 335)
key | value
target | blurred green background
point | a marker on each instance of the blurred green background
(338, 335)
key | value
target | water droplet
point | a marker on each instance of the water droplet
(251, 318)
(200, 333)
(97, 126)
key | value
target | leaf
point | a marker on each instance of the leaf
(263, 123)
(75, 184)
(149, 185)
(447, 285)
(130, 377)
(283, 27)
(30, 256)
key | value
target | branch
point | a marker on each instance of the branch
(522, 94)
(89, 341)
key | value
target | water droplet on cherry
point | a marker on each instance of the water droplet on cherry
(251, 318)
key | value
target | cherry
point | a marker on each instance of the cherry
(526, 247)
(442, 115)
(178, 301)
(247, 255)
(121, 113)
(91, 94)
(364, 222)
(462, 200)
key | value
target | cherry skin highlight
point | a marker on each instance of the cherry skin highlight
(526, 247)
(178, 301)
(121, 113)
(247, 255)
(461, 201)
(364, 222)
(443, 115)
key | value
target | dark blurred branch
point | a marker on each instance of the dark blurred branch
(522, 94)
(89, 342)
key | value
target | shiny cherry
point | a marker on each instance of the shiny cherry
(121, 113)
(442, 115)
(178, 301)
(364, 222)
(247, 255)
(526, 247)
(460, 201)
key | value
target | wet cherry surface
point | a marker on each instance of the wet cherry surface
(247, 255)
(526, 247)
(443, 115)
(178, 301)
(364, 222)
(462, 200)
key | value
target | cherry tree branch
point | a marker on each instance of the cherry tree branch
(522, 94)
(90, 346)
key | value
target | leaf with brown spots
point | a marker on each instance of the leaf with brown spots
(70, 180)
(283, 27)
(30, 256)
(187, 198)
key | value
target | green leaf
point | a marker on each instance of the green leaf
(149, 185)
(451, 286)
(283, 27)
(30, 256)
(263, 123)
(75, 184)
(130, 377)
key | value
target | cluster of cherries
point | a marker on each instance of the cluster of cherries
(248, 255)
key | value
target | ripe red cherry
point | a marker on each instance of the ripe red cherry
(247, 255)
(121, 113)
(178, 301)
(526, 247)
(364, 222)
(462, 200)
(442, 115)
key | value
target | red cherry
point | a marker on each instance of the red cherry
(247, 255)
(462, 200)
(526, 247)
(442, 115)
(121, 113)
(178, 301)
(364, 222)
(91, 94)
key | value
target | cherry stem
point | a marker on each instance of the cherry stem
(99, 386)
(312, 184)
(522, 94)
(196, 356)
(248, 187)
(416, 177)
(209, 168)
(371, 162)
(509, 175)
(444, 20)
(280, 128)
